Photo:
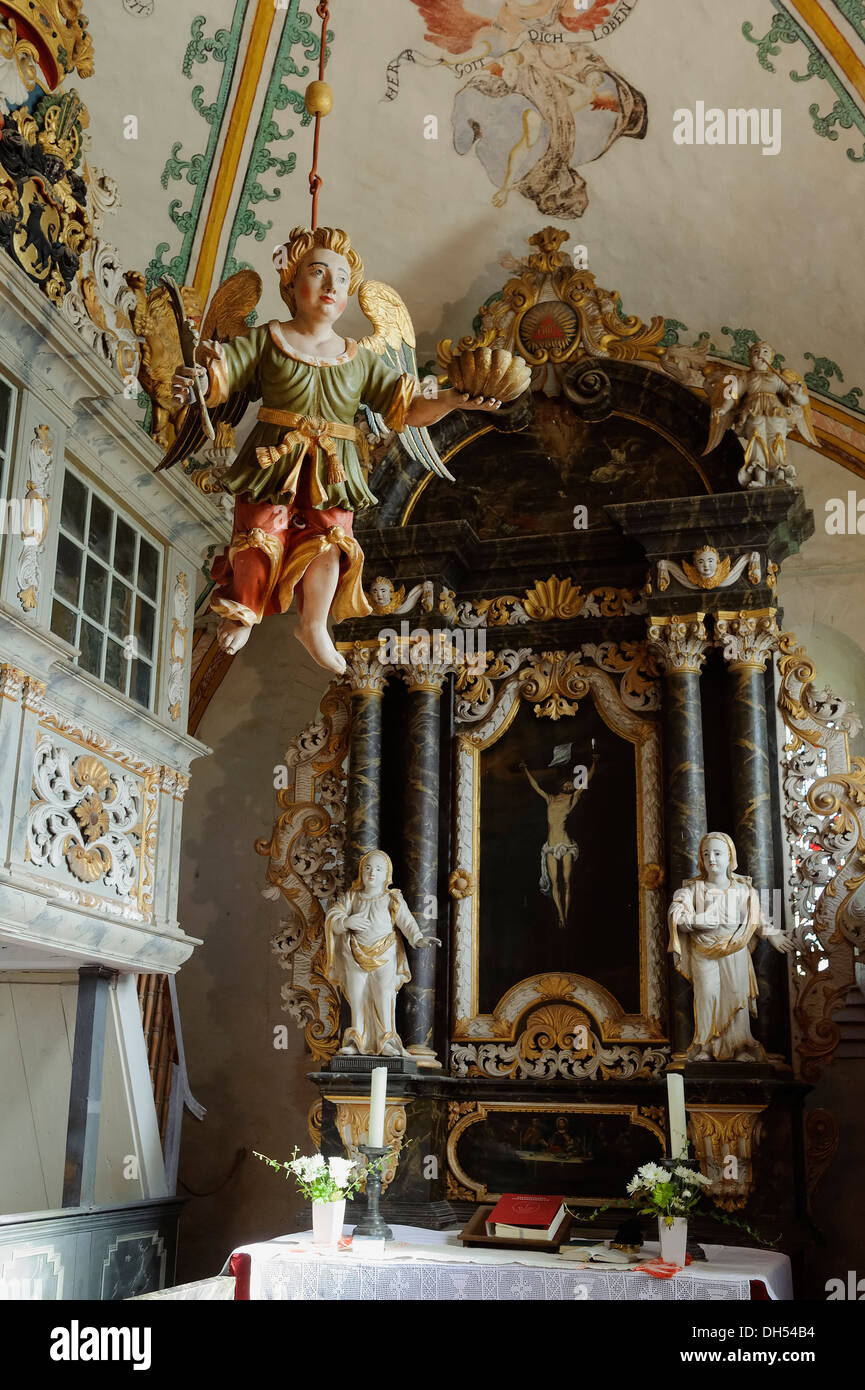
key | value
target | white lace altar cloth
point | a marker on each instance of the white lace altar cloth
(431, 1266)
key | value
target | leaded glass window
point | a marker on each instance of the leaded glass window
(106, 588)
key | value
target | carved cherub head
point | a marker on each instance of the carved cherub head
(708, 569)
(706, 561)
(307, 256)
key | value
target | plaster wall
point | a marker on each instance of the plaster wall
(256, 1094)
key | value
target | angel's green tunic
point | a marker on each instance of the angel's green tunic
(319, 388)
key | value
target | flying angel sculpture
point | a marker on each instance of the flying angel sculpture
(762, 406)
(298, 479)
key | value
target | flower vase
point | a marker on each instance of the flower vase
(674, 1240)
(327, 1222)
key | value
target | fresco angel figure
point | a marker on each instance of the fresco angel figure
(762, 405)
(299, 478)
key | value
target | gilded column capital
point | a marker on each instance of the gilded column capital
(34, 694)
(427, 675)
(11, 681)
(365, 672)
(680, 642)
(426, 659)
(748, 637)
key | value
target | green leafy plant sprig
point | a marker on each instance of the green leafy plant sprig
(321, 1179)
(671, 1192)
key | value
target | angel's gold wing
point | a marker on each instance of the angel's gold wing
(805, 420)
(231, 306)
(724, 387)
(226, 318)
(393, 338)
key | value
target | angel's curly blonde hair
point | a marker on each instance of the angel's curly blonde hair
(301, 240)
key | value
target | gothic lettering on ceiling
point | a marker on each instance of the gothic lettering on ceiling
(535, 99)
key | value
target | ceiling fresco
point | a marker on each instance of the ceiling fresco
(705, 160)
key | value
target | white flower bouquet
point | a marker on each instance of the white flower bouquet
(667, 1193)
(320, 1179)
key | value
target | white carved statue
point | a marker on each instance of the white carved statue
(715, 920)
(366, 957)
(762, 405)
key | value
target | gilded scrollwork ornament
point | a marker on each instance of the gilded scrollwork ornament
(553, 683)
(823, 798)
(548, 287)
(305, 867)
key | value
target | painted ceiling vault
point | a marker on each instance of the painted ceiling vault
(706, 160)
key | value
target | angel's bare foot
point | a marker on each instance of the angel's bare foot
(232, 636)
(316, 638)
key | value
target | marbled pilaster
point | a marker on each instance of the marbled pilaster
(366, 677)
(680, 645)
(748, 640)
(420, 852)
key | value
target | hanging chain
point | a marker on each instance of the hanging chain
(315, 180)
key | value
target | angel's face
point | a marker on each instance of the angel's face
(381, 591)
(321, 284)
(706, 563)
(762, 356)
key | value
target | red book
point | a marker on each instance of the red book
(525, 1217)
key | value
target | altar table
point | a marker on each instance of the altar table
(432, 1266)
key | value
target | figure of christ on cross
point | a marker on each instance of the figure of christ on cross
(559, 853)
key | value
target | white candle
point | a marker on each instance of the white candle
(678, 1119)
(377, 1096)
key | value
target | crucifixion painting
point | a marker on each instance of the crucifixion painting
(559, 853)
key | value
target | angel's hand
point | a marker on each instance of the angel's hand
(429, 941)
(208, 351)
(479, 402)
(183, 384)
(781, 943)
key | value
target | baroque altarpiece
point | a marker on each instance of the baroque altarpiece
(575, 667)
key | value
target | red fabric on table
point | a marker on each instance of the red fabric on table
(240, 1266)
(759, 1291)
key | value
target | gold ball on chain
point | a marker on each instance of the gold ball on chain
(318, 98)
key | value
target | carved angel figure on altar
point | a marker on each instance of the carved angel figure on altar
(762, 406)
(298, 479)
(715, 920)
(364, 932)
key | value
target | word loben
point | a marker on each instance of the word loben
(845, 520)
(76, 1343)
(736, 126)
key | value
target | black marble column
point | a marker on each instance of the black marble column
(363, 803)
(420, 860)
(749, 639)
(680, 645)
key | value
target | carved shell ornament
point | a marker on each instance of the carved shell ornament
(493, 373)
